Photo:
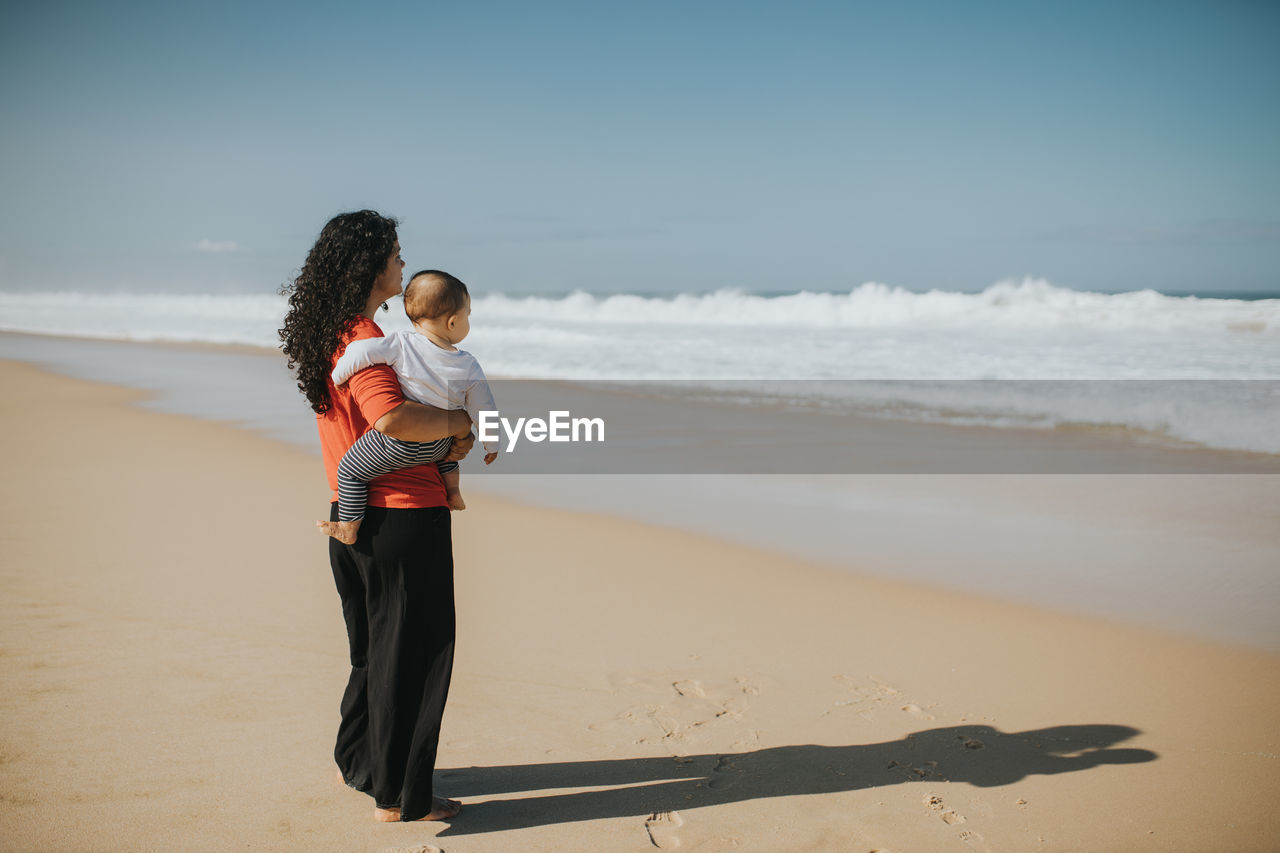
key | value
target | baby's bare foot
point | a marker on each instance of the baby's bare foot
(344, 531)
(456, 501)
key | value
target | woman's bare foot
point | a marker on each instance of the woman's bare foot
(444, 810)
(456, 501)
(344, 531)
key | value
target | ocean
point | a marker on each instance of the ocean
(1182, 539)
(914, 356)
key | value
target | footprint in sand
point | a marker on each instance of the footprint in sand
(867, 697)
(723, 775)
(662, 827)
(684, 715)
(949, 816)
(929, 768)
(13, 798)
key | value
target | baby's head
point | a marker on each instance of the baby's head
(440, 302)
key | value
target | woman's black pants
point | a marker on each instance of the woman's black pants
(396, 585)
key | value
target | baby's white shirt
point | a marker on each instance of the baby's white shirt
(428, 374)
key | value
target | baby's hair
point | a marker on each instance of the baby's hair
(433, 294)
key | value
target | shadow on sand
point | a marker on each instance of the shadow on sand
(979, 755)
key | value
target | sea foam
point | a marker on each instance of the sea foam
(1029, 303)
(1022, 332)
(1015, 305)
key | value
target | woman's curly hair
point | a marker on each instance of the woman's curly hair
(330, 293)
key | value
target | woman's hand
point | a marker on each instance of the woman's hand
(461, 447)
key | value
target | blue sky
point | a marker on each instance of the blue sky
(646, 147)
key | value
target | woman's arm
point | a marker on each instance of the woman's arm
(377, 393)
(412, 421)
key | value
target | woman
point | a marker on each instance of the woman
(396, 581)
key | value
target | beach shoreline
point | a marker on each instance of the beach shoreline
(1087, 448)
(618, 686)
(1184, 541)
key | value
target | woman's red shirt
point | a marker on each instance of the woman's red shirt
(353, 410)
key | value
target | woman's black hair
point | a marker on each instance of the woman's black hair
(330, 293)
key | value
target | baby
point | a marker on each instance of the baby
(432, 371)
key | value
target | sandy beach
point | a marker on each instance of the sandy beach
(175, 656)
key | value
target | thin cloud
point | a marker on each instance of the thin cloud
(554, 235)
(217, 246)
